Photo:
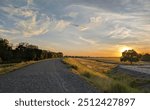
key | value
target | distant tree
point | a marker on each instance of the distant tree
(21, 50)
(5, 50)
(60, 54)
(130, 56)
(145, 57)
(26, 52)
(0, 60)
(31, 52)
(38, 54)
(140, 56)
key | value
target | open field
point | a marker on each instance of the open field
(115, 60)
(106, 76)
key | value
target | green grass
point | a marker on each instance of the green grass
(5, 68)
(106, 81)
(132, 81)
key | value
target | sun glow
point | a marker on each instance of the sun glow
(124, 48)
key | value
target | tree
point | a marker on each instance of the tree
(26, 52)
(5, 50)
(23, 52)
(130, 56)
(60, 54)
(145, 57)
(0, 60)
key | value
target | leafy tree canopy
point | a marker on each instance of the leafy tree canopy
(129, 56)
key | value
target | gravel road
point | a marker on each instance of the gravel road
(145, 69)
(49, 76)
(142, 71)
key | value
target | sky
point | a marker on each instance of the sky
(78, 27)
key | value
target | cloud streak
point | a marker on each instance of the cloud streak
(91, 24)
(61, 25)
(28, 21)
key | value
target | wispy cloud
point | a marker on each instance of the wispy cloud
(61, 25)
(72, 14)
(90, 24)
(16, 11)
(29, 2)
(28, 21)
(120, 33)
(95, 19)
(89, 41)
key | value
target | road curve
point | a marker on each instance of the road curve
(49, 76)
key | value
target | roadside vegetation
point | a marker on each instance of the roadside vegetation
(5, 68)
(105, 76)
(22, 55)
(23, 52)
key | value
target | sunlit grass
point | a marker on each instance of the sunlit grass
(5, 68)
(115, 60)
(101, 80)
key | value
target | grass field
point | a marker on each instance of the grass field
(5, 68)
(115, 60)
(105, 77)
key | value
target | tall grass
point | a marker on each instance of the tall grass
(5, 68)
(101, 81)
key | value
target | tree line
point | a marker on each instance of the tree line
(23, 52)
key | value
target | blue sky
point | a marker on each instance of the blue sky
(78, 27)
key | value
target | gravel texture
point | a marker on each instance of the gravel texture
(141, 71)
(50, 76)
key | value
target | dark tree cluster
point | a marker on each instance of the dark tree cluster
(132, 56)
(24, 52)
(145, 57)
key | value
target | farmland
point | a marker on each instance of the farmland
(115, 60)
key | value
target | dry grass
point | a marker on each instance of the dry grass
(137, 82)
(5, 68)
(97, 74)
(115, 60)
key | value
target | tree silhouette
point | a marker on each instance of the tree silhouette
(5, 50)
(130, 56)
(146, 57)
(24, 52)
